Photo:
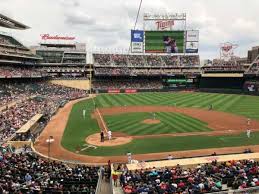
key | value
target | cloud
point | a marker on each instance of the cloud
(78, 18)
(105, 23)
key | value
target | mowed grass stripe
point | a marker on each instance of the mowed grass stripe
(211, 99)
(121, 99)
(217, 104)
(177, 99)
(108, 99)
(114, 99)
(195, 101)
(196, 126)
(151, 100)
(182, 124)
(130, 100)
(140, 100)
(229, 104)
(100, 101)
(120, 123)
(123, 127)
(171, 100)
(178, 127)
(187, 98)
(164, 97)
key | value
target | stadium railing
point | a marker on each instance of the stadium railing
(98, 186)
(247, 190)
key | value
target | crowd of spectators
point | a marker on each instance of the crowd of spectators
(127, 84)
(144, 71)
(27, 173)
(10, 46)
(10, 41)
(63, 69)
(145, 60)
(154, 60)
(223, 66)
(30, 99)
(202, 179)
(8, 71)
(16, 51)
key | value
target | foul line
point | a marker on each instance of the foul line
(103, 123)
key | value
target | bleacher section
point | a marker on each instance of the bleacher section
(11, 49)
(145, 65)
(118, 60)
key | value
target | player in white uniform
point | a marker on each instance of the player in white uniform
(154, 116)
(109, 135)
(248, 122)
(248, 133)
(84, 111)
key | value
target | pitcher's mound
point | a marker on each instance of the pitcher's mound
(115, 141)
(151, 121)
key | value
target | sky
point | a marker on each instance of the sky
(107, 23)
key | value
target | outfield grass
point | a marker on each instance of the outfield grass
(132, 123)
(237, 104)
(78, 129)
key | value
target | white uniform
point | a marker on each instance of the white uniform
(109, 135)
(129, 157)
(248, 133)
(248, 122)
(84, 113)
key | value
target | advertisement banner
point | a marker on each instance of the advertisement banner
(131, 91)
(192, 47)
(114, 91)
(137, 37)
(137, 47)
(164, 41)
(192, 36)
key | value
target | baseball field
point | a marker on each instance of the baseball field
(145, 123)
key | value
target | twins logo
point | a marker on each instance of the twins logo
(161, 25)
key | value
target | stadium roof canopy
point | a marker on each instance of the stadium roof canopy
(7, 22)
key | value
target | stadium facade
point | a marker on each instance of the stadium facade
(67, 60)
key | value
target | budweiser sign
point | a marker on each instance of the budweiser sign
(56, 37)
(161, 25)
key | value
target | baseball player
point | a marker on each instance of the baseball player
(248, 122)
(109, 135)
(248, 132)
(84, 111)
(129, 157)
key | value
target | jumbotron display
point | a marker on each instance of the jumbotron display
(164, 41)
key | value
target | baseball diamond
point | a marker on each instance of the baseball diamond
(187, 125)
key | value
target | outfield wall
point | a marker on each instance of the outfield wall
(231, 85)
(222, 82)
